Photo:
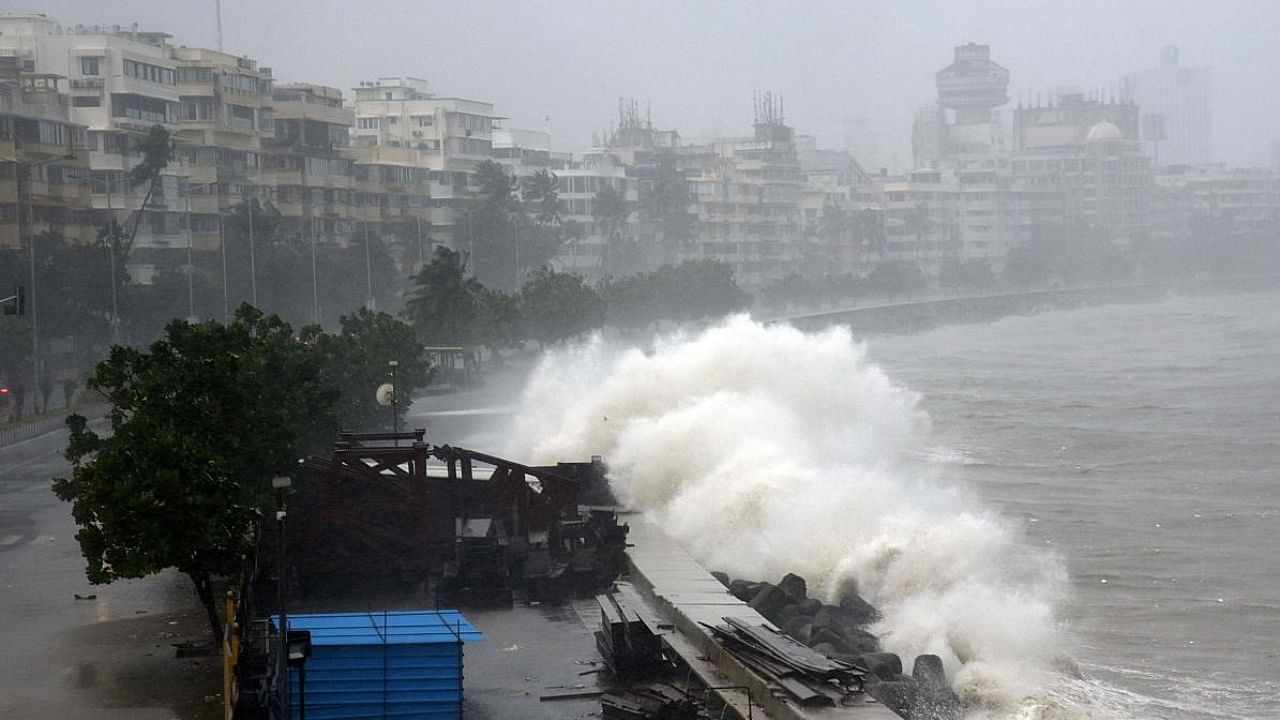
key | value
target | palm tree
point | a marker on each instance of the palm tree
(542, 190)
(157, 153)
(610, 211)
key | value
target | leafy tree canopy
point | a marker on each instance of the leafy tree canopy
(558, 306)
(356, 363)
(199, 422)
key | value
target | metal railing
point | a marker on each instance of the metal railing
(16, 432)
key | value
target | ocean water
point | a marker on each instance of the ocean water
(1142, 444)
(1075, 510)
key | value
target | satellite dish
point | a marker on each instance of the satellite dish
(386, 394)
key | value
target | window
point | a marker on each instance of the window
(425, 120)
(86, 101)
(150, 73)
(90, 65)
(367, 123)
(392, 119)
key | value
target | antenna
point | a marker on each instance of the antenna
(217, 8)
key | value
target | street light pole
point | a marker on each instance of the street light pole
(368, 268)
(191, 265)
(395, 400)
(253, 267)
(31, 242)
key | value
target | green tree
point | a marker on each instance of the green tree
(558, 306)
(356, 363)
(542, 191)
(200, 422)
(443, 303)
(897, 278)
(610, 211)
(499, 324)
(791, 289)
(157, 152)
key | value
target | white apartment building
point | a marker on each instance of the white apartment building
(425, 147)
(122, 81)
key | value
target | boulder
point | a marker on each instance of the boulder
(768, 601)
(827, 635)
(722, 577)
(883, 665)
(860, 641)
(929, 671)
(799, 628)
(744, 590)
(789, 612)
(825, 648)
(809, 607)
(898, 695)
(934, 700)
(860, 611)
(794, 587)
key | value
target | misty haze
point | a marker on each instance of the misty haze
(831, 361)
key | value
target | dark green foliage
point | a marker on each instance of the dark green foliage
(972, 274)
(896, 278)
(443, 303)
(558, 306)
(200, 422)
(692, 290)
(610, 211)
(356, 363)
(791, 289)
(157, 152)
(1066, 255)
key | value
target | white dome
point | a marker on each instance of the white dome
(1105, 131)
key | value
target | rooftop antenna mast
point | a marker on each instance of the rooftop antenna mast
(217, 8)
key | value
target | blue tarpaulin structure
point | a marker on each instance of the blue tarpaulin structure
(405, 665)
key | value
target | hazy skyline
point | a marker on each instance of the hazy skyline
(697, 65)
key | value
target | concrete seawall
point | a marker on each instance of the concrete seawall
(925, 314)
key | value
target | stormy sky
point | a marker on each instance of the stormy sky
(697, 64)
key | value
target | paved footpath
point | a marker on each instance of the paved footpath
(68, 659)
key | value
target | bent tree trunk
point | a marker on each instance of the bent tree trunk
(204, 588)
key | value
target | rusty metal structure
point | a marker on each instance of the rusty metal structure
(389, 512)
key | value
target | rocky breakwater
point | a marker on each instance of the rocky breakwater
(840, 632)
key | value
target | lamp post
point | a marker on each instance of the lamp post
(222, 245)
(31, 247)
(368, 269)
(281, 484)
(395, 400)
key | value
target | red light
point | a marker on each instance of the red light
(4, 391)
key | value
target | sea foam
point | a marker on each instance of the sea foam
(765, 450)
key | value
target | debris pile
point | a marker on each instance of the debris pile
(838, 632)
(659, 701)
(628, 642)
(809, 677)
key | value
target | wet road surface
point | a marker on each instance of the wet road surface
(64, 658)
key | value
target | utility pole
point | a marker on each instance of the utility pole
(395, 400)
(368, 268)
(253, 264)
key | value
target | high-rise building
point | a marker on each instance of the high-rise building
(43, 160)
(1176, 103)
(121, 82)
(971, 87)
(308, 163)
(420, 152)
(1081, 162)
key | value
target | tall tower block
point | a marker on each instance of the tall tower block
(973, 85)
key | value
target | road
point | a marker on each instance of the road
(110, 657)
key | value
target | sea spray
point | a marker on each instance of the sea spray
(765, 450)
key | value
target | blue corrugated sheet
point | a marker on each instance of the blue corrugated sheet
(404, 665)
